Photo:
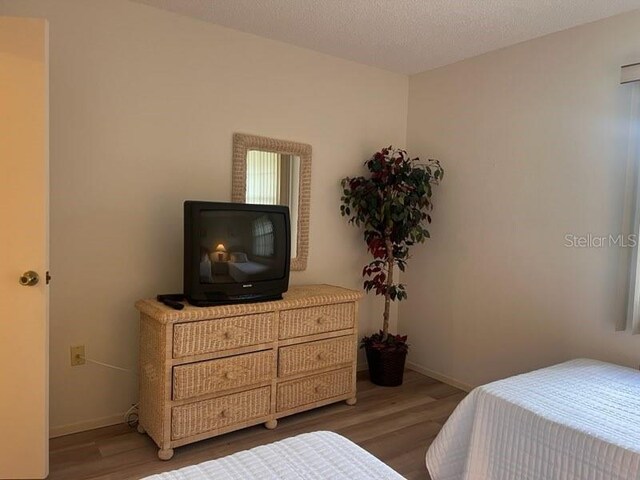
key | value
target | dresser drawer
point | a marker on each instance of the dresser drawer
(307, 357)
(211, 376)
(208, 415)
(324, 318)
(305, 391)
(195, 338)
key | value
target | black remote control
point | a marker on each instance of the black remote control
(173, 304)
(170, 302)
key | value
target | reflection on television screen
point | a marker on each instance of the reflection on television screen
(241, 247)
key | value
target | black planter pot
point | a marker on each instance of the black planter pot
(386, 367)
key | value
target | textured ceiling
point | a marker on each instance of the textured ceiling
(406, 36)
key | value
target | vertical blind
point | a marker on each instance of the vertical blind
(263, 177)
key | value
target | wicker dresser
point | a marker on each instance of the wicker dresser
(208, 371)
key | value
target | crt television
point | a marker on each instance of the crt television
(235, 252)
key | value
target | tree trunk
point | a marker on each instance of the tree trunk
(387, 297)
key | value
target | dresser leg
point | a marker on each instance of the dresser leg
(165, 453)
(271, 424)
(141, 429)
(351, 401)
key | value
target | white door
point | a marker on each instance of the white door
(24, 180)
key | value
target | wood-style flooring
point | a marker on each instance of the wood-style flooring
(394, 424)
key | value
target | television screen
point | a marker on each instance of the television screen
(241, 246)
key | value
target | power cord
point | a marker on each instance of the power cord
(131, 416)
(108, 365)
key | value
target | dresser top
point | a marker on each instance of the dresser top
(298, 296)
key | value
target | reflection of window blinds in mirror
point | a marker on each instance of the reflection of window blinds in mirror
(263, 178)
(285, 179)
(294, 194)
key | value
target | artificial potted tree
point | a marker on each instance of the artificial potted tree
(392, 205)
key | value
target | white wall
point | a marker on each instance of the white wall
(143, 107)
(533, 140)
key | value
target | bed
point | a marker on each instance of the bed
(312, 456)
(241, 269)
(576, 420)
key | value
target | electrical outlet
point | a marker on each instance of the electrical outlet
(77, 355)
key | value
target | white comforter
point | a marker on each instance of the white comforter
(244, 271)
(577, 420)
(313, 456)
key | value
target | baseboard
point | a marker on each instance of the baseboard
(440, 377)
(70, 428)
(429, 373)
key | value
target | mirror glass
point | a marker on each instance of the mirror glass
(274, 179)
(270, 171)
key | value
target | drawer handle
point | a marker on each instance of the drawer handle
(320, 320)
(230, 375)
(223, 414)
(320, 389)
(321, 356)
(226, 335)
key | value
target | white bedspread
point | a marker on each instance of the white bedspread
(317, 455)
(577, 420)
(244, 271)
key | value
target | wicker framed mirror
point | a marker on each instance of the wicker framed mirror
(276, 172)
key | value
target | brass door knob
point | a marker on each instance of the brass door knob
(29, 279)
